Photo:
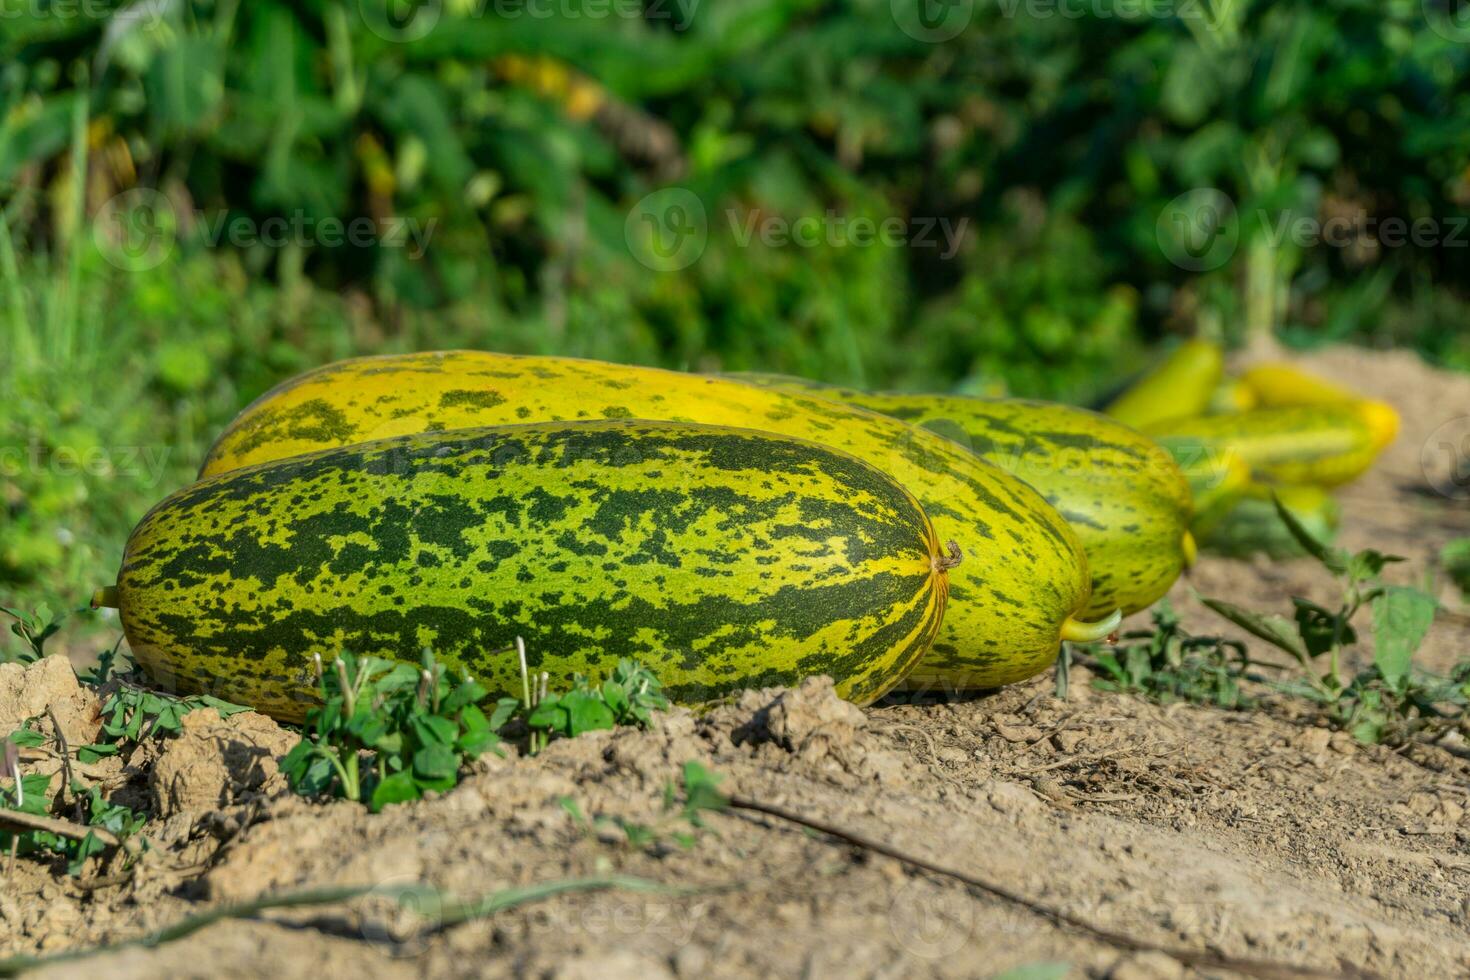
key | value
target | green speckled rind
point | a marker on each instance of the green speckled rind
(1125, 496)
(722, 558)
(1024, 575)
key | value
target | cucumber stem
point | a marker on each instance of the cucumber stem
(1080, 632)
(106, 598)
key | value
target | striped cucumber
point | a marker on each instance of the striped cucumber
(1324, 445)
(1277, 385)
(1121, 492)
(722, 558)
(1023, 589)
(1182, 385)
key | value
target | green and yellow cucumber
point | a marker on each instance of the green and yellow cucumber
(722, 558)
(1277, 385)
(1324, 445)
(1180, 386)
(1121, 492)
(1023, 590)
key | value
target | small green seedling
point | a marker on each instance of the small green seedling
(28, 795)
(388, 732)
(629, 696)
(133, 714)
(1387, 702)
(34, 629)
(683, 811)
(1168, 664)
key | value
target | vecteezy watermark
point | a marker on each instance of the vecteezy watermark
(839, 231)
(147, 463)
(1445, 459)
(401, 21)
(667, 230)
(931, 921)
(1450, 19)
(136, 230)
(149, 12)
(932, 21)
(139, 229)
(1360, 227)
(1199, 230)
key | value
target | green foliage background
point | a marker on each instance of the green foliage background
(1053, 133)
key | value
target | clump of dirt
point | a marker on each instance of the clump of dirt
(48, 689)
(1259, 835)
(215, 762)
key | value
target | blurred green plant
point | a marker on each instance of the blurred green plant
(1390, 701)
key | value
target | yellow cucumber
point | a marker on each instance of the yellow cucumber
(1180, 386)
(1278, 385)
(1324, 445)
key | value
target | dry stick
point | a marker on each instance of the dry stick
(1199, 960)
(66, 773)
(51, 825)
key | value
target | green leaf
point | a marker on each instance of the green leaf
(475, 733)
(435, 762)
(551, 716)
(1319, 628)
(27, 738)
(397, 788)
(1455, 557)
(432, 730)
(1273, 629)
(505, 710)
(1367, 564)
(701, 790)
(87, 754)
(615, 697)
(1401, 619)
(586, 713)
(1333, 559)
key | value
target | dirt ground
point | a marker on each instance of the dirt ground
(1252, 835)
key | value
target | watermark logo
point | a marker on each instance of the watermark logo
(667, 230)
(840, 231)
(401, 915)
(1450, 19)
(1199, 230)
(401, 21)
(932, 21)
(1445, 459)
(929, 921)
(137, 230)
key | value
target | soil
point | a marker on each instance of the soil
(1256, 835)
